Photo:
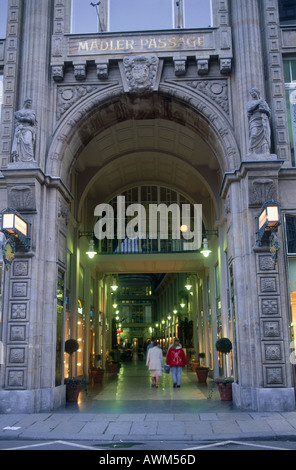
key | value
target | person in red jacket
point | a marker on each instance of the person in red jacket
(176, 359)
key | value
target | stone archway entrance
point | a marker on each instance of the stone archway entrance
(148, 153)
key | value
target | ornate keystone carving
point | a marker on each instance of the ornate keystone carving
(141, 72)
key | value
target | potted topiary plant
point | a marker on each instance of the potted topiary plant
(224, 346)
(73, 385)
(225, 388)
(202, 371)
(97, 373)
(112, 366)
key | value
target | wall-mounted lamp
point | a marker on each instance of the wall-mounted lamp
(188, 284)
(205, 251)
(14, 225)
(268, 220)
(182, 303)
(91, 249)
(114, 286)
(91, 253)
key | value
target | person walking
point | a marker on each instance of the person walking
(176, 359)
(154, 362)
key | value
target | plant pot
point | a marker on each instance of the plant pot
(194, 366)
(72, 391)
(97, 376)
(225, 391)
(112, 367)
(202, 374)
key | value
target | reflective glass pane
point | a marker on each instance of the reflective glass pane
(198, 14)
(140, 15)
(84, 17)
(3, 17)
(291, 233)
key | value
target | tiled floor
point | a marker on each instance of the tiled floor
(130, 391)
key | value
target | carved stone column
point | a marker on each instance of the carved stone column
(263, 381)
(28, 379)
(248, 65)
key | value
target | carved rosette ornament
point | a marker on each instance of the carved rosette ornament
(141, 72)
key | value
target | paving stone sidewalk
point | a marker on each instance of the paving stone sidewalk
(148, 426)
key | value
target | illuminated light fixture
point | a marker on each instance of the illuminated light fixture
(175, 311)
(182, 303)
(13, 224)
(188, 284)
(205, 251)
(114, 286)
(184, 228)
(91, 253)
(268, 220)
(114, 305)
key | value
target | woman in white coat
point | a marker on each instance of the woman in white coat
(154, 362)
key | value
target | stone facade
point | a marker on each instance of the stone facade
(87, 93)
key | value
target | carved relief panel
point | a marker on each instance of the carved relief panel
(273, 358)
(18, 324)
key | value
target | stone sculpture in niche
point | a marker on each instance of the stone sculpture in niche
(259, 128)
(24, 133)
(141, 72)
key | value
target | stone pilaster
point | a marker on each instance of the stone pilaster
(263, 379)
(248, 61)
(34, 77)
(28, 375)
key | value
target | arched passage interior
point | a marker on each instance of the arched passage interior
(134, 153)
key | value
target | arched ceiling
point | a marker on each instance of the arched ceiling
(153, 151)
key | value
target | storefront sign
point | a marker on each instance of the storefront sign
(141, 43)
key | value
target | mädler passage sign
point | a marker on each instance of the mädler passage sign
(103, 44)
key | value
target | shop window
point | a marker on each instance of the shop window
(290, 85)
(291, 234)
(3, 17)
(287, 11)
(290, 230)
(139, 15)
